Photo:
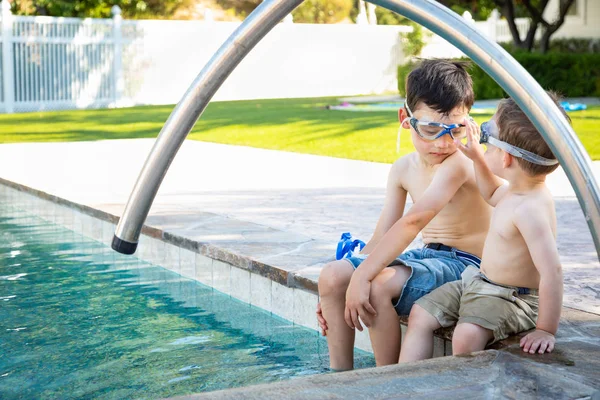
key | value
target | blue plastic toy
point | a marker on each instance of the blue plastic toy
(572, 106)
(347, 246)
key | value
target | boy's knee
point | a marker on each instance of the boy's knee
(468, 338)
(334, 278)
(381, 292)
(420, 318)
(387, 285)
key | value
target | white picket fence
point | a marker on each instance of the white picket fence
(58, 63)
(65, 63)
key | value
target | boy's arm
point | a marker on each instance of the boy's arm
(449, 177)
(537, 232)
(393, 208)
(395, 201)
(491, 187)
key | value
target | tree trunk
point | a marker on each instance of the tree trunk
(550, 29)
(545, 41)
(508, 11)
(530, 39)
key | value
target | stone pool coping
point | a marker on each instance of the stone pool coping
(573, 369)
(284, 277)
(279, 275)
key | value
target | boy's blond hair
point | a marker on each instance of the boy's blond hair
(516, 129)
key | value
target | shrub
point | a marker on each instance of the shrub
(572, 75)
(403, 71)
(565, 45)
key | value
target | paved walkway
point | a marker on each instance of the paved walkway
(282, 209)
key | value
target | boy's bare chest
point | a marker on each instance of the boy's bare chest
(502, 223)
(416, 183)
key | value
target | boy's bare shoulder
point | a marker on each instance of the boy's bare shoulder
(402, 166)
(456, 165)
(458, 159)
(535, 206)
(405, 161)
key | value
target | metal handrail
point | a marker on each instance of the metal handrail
(492, 58)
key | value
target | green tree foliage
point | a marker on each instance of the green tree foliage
(387, 17)
(310, 11)
(240, 8)
(323, 11)
(99, 8)
(479, 9)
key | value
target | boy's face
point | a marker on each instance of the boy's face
(433, 151)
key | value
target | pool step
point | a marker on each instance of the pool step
(488, 374)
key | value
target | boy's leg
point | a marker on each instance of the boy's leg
(385, 328)
(468, 338)
(418, 340)
(430, 312)
(333, 282)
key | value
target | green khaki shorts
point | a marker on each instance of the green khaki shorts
(476, 300)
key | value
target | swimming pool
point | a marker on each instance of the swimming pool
(79, 320)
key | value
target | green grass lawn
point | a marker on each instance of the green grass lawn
(298, 125)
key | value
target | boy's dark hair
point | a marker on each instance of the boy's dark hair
(516, 129)
(441, 84)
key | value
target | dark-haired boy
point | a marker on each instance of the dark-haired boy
(447, 209)
(520, 257)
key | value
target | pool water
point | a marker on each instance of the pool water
(78, 320)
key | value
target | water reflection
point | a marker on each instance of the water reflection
(79, 320)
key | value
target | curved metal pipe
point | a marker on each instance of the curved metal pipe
(521, 86)
(513, 78)
(266, 16)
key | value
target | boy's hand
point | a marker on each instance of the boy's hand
(472, 149)
(321, 320)
(357, 302)
(538, 339)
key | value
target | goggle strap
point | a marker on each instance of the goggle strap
(520, 153)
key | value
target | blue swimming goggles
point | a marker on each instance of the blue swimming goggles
(348, 247)
(489, 135)
(435, 130)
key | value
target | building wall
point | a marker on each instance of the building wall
(294, 60)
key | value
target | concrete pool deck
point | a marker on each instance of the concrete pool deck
(281, 214)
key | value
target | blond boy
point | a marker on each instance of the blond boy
(519, 285)
(447, 209)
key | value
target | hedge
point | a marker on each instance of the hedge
(571, 75)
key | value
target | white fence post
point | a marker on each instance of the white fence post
(118, 55)
(7, 58)
(493, 25)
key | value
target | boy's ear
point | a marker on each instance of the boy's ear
(507, 160)
(402, 115)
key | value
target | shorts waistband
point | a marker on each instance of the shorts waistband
(520, 290)
(459, 253)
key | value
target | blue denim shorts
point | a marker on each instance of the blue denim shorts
(430, 269)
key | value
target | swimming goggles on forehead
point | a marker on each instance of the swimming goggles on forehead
(489, 135)
(434, 130)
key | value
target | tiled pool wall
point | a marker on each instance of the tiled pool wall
(189, 260)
